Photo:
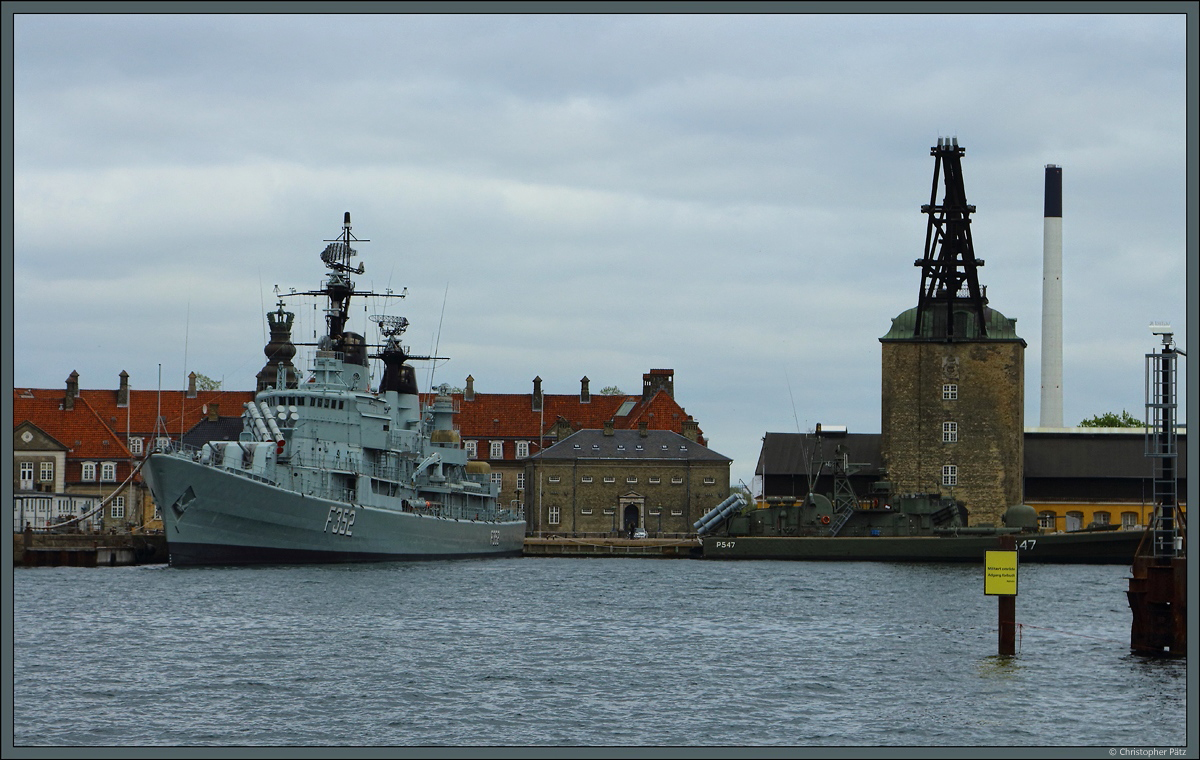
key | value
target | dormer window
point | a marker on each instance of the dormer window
(497, 450)
(108, 472)
(135, 445)
(522, 449)
(89, 471)
(472, 449)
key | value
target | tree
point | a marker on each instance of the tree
(206, 383)
(1112, 419)
(611, 390)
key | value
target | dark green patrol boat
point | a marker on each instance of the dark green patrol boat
(884, 526)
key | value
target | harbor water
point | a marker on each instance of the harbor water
(582, 652)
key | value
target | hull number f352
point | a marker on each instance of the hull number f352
(340, 520)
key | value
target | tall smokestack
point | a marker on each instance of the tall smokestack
(1052, 372)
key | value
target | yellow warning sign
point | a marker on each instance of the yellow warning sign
(1000, 573)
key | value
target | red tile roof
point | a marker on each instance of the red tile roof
(81, 430)
(511, 415)
(144, 405)
(139, 417)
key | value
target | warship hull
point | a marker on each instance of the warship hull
(1113, 547)
(215, 517)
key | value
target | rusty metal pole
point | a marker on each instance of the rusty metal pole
(1007, 605)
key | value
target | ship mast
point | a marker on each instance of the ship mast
(339, 287)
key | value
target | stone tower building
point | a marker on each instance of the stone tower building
(954, 371)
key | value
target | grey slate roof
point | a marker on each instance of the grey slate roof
(1093, 455)
(790, 453)
(223, 429)
(655, 445)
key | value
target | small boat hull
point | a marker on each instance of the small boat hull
(1095, 548)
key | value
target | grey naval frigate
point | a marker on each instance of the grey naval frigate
(330, 469)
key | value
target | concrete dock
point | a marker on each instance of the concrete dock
(663, 548)
(87, 549)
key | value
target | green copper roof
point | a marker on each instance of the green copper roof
(999, 327)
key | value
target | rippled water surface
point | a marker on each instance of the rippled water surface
(558, 652)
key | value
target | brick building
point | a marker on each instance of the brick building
(87, 442)
(505, 429)
(953, 412)
(609, 481)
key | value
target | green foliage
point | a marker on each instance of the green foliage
(1111, 419)
(611, 390)
(206, 383)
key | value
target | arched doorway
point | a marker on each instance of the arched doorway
(632, 519)
(631, 513)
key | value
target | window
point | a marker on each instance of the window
(676, 479)
(553, 478)
(135, 445)
(553, 516)
(1046, 519)
(1074, 521)
(522, 449)
(950, 475)
(163, 444)
(108, 472)
(654, 479)
(117, 508)
(27, 473)
(631, 479)
(1101, 518)
(676, 512)
(949, 432)
(46, 472)
(497, 450)
(498, 480)
(520, 481)
(950, 392)
(585, 511)
(64, 507)
(472, 449)
(89, 471)
(586, 479)
(709, 481)
(43, 505)
(1129, 520)
(609, 479)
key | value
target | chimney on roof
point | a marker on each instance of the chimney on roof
(691, 429)
(608, 427)
(191, 392)
(214, 410)
(642, 426)
(123, 391)
(72, 390)
(585, 395)
(469, 393)
(537, 394)
(656, 380)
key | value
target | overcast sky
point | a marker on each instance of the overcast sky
(735, 197)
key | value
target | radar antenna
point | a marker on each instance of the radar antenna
(391, 327)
